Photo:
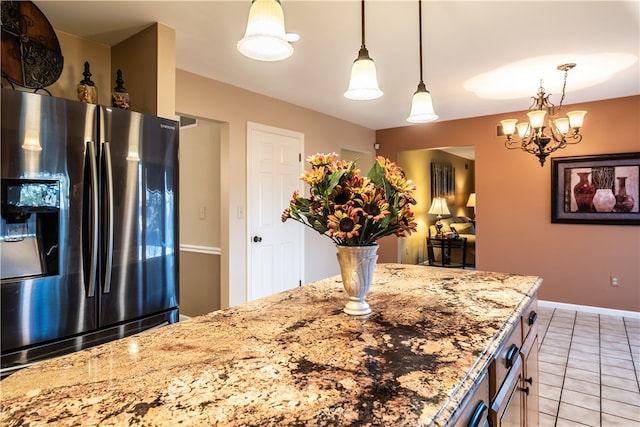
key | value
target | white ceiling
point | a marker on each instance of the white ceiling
(462, 40)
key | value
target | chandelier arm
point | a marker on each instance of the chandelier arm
(576, 136)
(530, 147)
(560, 140)
(513, 144)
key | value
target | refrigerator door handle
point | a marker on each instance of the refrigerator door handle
(109, 212)
(93, 172)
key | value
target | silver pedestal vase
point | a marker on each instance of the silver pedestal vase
(357, 264)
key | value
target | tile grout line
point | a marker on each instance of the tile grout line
(564, 375)
(633, 362)
(600, 364)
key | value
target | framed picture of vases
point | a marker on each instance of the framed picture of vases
(600, 189)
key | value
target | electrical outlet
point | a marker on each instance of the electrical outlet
(615, 281)
(202, 212)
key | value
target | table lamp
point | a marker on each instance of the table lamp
(439, 208)
(471, 203)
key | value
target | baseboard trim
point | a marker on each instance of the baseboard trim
(183, 317)
(590, 309)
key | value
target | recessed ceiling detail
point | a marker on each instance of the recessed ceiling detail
(520, 79)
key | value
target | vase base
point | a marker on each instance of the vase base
(357, 308)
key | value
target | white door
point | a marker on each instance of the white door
(275, 248)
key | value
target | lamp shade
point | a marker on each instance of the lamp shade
(471, 203)
(363, 84)
(509, 126)
(422, 106)
(439, 206)
(576, 118)
(523, 129)
(537, 118)
(265, 38)
(562, 125)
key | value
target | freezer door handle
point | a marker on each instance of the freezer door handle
(109, 212)
(93, 196)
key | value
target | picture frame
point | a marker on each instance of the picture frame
(596, 189)
(443, 182)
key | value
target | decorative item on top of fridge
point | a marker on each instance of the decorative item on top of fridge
(87, 89)
(120, 96)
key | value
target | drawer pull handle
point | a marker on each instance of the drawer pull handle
(476, 418)
(533, 316)
(529, 380)
(512, 354)
(525, 390)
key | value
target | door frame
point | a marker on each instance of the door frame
(248, 217)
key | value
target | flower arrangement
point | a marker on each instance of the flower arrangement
(351, 209)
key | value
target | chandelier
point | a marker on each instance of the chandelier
(532, 136)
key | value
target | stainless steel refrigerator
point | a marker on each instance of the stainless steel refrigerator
(89, 227)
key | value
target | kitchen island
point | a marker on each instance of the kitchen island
(293, 358)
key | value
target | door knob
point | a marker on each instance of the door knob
(257, 239)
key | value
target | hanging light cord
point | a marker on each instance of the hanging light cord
(362, 14)
(420, 27)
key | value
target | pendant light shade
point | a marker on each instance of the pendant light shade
(363, 84)
(421, 104)
(364, 79)
(265, 38)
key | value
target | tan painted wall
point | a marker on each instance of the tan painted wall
(147, 61)
(417, 166)
(76, 51)
(514, 228)
(200, 189)
(200, 184)
(199, 291)
(201, 97)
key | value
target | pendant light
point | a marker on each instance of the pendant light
(421, 104)
(364, 80)
(265, 39)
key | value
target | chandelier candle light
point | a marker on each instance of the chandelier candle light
(363, 84)
(533, 139)
(355, 211)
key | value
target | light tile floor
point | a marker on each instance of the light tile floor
(589, 368)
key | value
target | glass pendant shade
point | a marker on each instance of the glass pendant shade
(562, 125)
(265, 38)
(576, 118)
(523, 129)
(508, 126)
(422, 106)
(537, 118)
(364, 79)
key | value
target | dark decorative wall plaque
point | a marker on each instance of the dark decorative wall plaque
(31, 55)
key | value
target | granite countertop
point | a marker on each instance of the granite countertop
(293, 358)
